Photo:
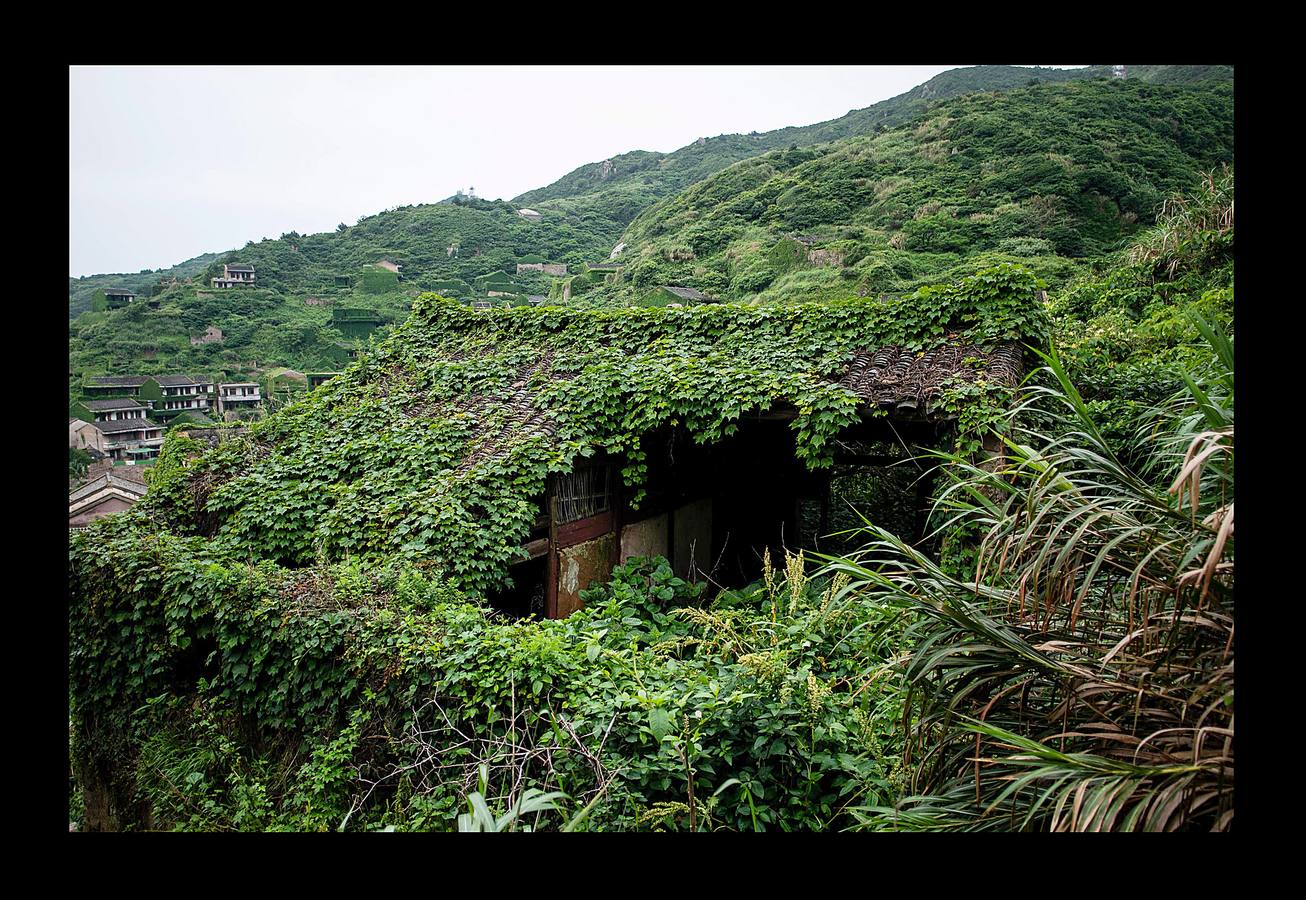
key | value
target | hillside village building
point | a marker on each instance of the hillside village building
(234, 275)
(355, 323)
(109, 410)
(238, 395)
(212, 335)
(113, 385)
(117, 298)
(171, 395)
(131, 440)
(85, 436)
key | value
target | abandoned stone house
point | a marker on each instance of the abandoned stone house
(116, 298)
(713, 510)
(172, 395)
(212, 335)
(238, 396)
(234, 275)
(96, 386)
(98, 411)
(131, 440)
(668, 295)
(85, 436)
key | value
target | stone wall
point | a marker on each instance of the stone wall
(555, 269)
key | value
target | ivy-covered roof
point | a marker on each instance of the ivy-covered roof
(437, 444)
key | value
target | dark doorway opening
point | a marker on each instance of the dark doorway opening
(525, 596)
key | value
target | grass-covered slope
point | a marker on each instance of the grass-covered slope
(623, 186)
(285, 320)
(143, 284)
(1045, 174)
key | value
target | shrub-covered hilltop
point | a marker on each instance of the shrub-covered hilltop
(286, 319)
(625, 185)
(1048, 176)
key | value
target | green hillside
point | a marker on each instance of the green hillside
(143, 283)
(286, 318)
(1048, 175)
(621, 187)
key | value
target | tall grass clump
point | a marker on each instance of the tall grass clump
(1191, 230)
(1081, 676)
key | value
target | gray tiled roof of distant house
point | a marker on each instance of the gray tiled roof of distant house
(240, 268)
(180, 380)
(117, 380)
(688, 293)
(124, 403)
(127, 425)
(118, 292)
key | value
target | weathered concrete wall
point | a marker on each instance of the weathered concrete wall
(646, 538)
(580, 565)
(692, 533)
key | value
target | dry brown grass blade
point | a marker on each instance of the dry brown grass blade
(1217, 550)
(1189, 479)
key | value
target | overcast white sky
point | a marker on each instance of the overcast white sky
(167, 163)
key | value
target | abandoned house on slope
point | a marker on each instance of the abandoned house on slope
(713, 510)
(521, 453)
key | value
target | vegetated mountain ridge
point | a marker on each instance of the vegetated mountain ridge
(1044, 175)
(623, 185)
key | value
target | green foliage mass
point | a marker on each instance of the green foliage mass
(620, 188)
(1126, 330)
(215, 695)
(290, 628)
